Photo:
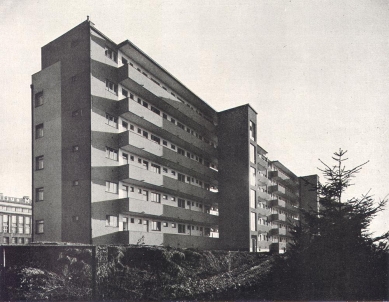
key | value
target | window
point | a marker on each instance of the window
(173, 225)
(125, 158)
(252, 153)
(40, 226)
(252, 131)
(181, 151)
(111, 221)
(164, 196)
(109, 53)
(164, 170)
(172, 198)
(132, 127)
(155, 110)
(146, 134)
(75, 148)
(181, 203)
(75, 218)
(252, 176)
(173, 147)
(173, 172)
(164, 115)
(139, 221)
(111, 153)
(164, 143)
(253, 221)
(155, 168)
(252, 198)
(145, 104)
(75, 183)
(155, 139)
(181, 125)
(111, 120)
(145, 193)
(39, 194)
(155, 197)
(125, 92)
(181, 228)
(5, 223)
(125, 125)
(145, 165)
(173, 120)
(181, 177)
(132, 220)
(165, 224)
(155, 225)
(75, 113)
(111, 187)
(39, 99)
(111, 87)
(124, 61)
(131, 96)
(39, 131)
(39, 163)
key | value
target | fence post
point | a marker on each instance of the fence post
(94, 285)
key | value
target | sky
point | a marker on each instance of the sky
(316, 72)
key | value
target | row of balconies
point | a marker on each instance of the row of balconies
(163, 127)
(162, 211)
(128, 140)
(129, 76)
(152, 180)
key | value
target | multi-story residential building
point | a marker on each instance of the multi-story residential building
(15, 219)
(124, 153)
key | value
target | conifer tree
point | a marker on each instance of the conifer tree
(334, 257)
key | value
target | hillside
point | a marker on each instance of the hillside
(135, 273)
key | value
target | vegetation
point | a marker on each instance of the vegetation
(334, 257)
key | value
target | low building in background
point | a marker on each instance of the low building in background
(15, 219)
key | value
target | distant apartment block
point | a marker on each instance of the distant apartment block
(124, 153)
(15, 219)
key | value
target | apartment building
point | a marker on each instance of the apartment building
(124, 153)
(15, 219)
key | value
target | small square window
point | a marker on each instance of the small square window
(39, 99)
(132, 220)
(164, 196)
(139, 101)
(139, 221)
(75, 148)
(164, 143)
(75, 218)
(173, 225)
(39, 131)
(165, 224)
(125, 125)
(39, 163)
(75, 183)
(164, 170)
(164, 116)
(173, 147)
(132, 127)
(124, 92)
(39, 193)
(172, 198)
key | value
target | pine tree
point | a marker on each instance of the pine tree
(334, 257)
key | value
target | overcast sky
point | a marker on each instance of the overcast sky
(316, 72)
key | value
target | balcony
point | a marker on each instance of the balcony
(187, 189)
(278, 203)
(127, 74)
(160, 211)
(261, 163)
(263, 229)
(283, 192)
(187, 137)
(129, 172)
(278, 247)
(128, 140)
(262, 180)
(263, 212)
(128, 105)
(277, 218)
(278, 176)
(263, 196)
(278, 232)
